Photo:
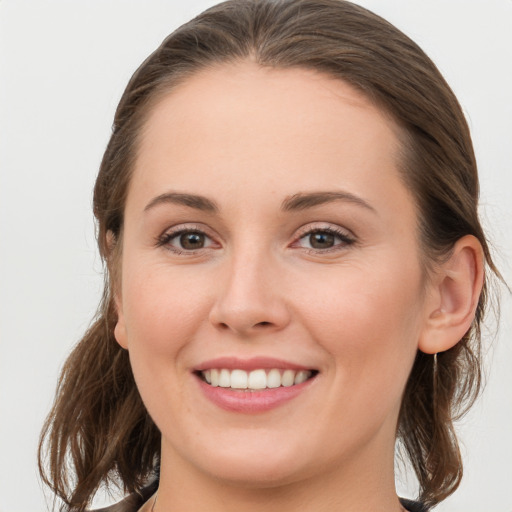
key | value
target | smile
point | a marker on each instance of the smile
(255, 385)
(255, 380)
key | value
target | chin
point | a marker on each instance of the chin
(250, 461)
(263, 472)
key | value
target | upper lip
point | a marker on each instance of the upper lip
(253, 363)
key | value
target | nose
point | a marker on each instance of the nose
(250, 298)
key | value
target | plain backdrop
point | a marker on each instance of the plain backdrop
(63, 67)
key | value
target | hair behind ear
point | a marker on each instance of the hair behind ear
(446, 375)
(98, 424)
(454, 293)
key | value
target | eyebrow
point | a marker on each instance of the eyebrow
(296, 202)
(303, 201)
(190, 200)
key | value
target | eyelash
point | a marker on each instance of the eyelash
(345, 239)
(166, 238)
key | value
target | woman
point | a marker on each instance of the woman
(287, 210)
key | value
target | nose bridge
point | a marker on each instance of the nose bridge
(249, 297)
(250, 278)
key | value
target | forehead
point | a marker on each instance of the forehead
(277, 128)
(231, 91)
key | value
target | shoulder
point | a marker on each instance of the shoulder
(413, 506)
(130, 504)
(133, 502)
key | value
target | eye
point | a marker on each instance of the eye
(324, 239)
(185, 240)
(321, 240)
(191, 241)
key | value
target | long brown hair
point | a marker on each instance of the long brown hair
(99, 426)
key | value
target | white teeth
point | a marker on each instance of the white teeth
(301, 377)
(239, 379)
(255, 380)
(224, 379)
(274, 378)
(288, 378)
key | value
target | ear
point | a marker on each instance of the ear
(453, 297)
(120, 328)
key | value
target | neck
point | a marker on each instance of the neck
(364, 483)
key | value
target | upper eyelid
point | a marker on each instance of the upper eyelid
(187, 227)
(321, 226)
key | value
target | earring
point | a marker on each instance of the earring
(434, 384)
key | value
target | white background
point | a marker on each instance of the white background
(63, 66)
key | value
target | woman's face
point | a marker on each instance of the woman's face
(268, 237)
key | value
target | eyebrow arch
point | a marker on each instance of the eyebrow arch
(303, 201)
(190, 200)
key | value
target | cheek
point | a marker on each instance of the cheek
(162, 309)
(162, 313)
(369, 322)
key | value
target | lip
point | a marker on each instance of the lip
(251, 402)
(254, 363)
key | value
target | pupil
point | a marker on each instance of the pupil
(192, 240)
(321, 240)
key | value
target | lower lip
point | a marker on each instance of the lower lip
(252, 402)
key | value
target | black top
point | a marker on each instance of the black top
(413, 506)
(133, 502)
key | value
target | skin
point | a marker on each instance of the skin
(249, 139)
